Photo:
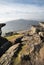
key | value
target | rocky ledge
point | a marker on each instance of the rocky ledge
(28, 49)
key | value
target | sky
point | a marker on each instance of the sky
(21, 9)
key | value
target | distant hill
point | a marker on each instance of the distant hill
(17, 25)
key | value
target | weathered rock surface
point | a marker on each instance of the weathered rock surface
(7, 57)
(29, 51)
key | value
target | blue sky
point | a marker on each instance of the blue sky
(37, 2)
(21, 9)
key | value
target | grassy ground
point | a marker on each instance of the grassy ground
(13, 37)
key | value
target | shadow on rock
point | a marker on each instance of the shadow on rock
(4, 45)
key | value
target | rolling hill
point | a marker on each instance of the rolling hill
(17, 25)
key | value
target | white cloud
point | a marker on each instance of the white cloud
(17, 11)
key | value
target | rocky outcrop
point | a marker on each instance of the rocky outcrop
(42, 24)
(7, 57)
(26, 50)
(34, 47)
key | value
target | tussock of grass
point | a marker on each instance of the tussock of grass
(16, 60)
(25, 50)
